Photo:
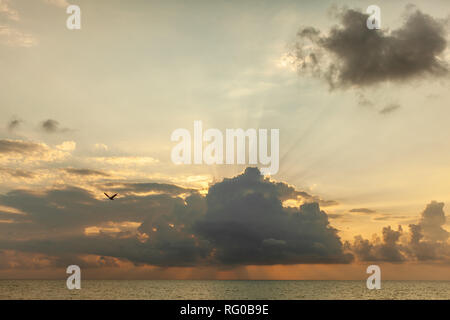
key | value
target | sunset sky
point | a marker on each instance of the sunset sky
(364, 139)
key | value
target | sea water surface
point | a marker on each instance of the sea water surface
(222, 290)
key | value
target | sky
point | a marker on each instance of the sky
(363, 119)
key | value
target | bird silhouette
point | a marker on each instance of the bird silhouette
(110, 198)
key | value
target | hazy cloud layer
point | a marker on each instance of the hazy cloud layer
(10, 36)
(85, 172)
(352, 55)
(362, 210)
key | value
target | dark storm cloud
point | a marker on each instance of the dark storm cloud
(352, 55)
(362, 210)
(241, 221)
(85, 172)
(18, 147)
(247, 224)
(426, 240)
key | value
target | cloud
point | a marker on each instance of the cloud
(15, 38)
(56, 221)
(19, 152)
(336, 216)
(85, 172)
(10, 36)
(14, 124)
(18, 147)
(431, 222)
(67, 146)
(58, 3)
(143, 188)
(425, 241)
(101, 147)
(52, 126)
(125, 161)
(387, 249)
(362, 210)
(7, 11)
(363, 101)
(240, 221)
(287, 192)
(389, 108)
(351, 55)
(390, 217)
(10, 259)
(247, 224)
(419, 248)
(17, 173)
(310, 198)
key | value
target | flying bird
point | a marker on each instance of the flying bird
(110, 198)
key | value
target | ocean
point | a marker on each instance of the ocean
(222, 290)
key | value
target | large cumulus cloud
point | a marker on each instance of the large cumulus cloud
(352, 55)
(246, 223)
(240, 221)
(431, 222)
